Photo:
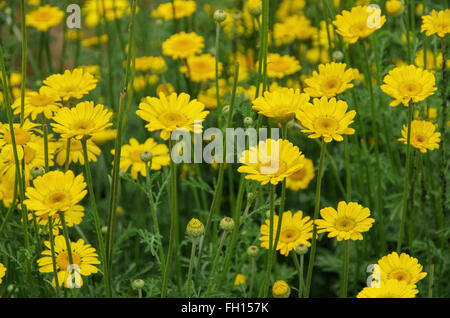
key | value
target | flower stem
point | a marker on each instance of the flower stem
(24, 61)
(344, 274)
(217, 57)
(316, 215)
(252, 276)
(191, 265)
(45, 129)
(68, 245)
(299, 267)
(52, 249)
(431, 281)
(214, 264)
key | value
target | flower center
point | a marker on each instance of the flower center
(289, 234)
(278, 65)
(173, 119)
(299, 175)
(62, 260)
(420, 139)
(22, 136)
(326, 125)
(400, 275)
(330, 85)
(40, 100)
(359, 28)
(75, 145)
(200, 67)
(82, 125)
(410, 88)
(135, 156)
(28, 154)
(183, 44)
(58, 200)
(43, 16)
(345, 224)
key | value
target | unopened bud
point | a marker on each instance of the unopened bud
(104, 229)
(37, 171)
(195, 228)
(227, 224)
(220, 15)
(301, 249)
(253, 251)
(281, 289)
(248, 122)
(138, 284)
(226, 109)
(146, 156)
(338, 56)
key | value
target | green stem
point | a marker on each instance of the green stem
(191, 265)
(252, 276)
(344, 275)
(52, 249)
(68, 245)
(348, 177)
(217, 58)
(24, 61)
(212, 274)
(431, 281)
(45, 129)
(299, 272)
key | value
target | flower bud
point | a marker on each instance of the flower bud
(251, 196)
(281, 289)
(146, 156)
(248, 122)
(195, 228)
(138, 284)
(227, 224)
(255, 9)
(37, 171)
(220, 15)
(301, 249)
(226, 110)
(338, 56)
(104, 229)
(253, 251)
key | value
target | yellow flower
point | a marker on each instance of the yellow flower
(84, 257)
(7, 188)
(389, 289)
(201, 68)
(239, 280)
(433, 61)
(55, 192)
(403, 268)
(111, 9)
(436, 23)
(281, 289)
(168, 113)
(423, 135)
(331, 80)
(289, 7)
(326, 118)
(183, 45)
(76, 151)
(253, 6)
(347, 223)
(183, 8)
(72, 84)
(131, 156)
(82, 121)
(432, 113)
(150, 63)
(208, 98)
(271, 161)
(295, 230)
(280, 66)
(15, 79)
(292, 28)
(281, 103)
(301, 178)
(104, 136)
(2, 272)
(38, 103)
(23, 134)
(44, 17)
(394, 7)
(408, 84)
(358, 23)
(94, 40)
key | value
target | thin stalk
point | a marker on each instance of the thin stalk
(52, 249)
(316, 215)
(45, 129)
(217, 59)
(266, 282)
(299, 267)
(11, 207)
(344, 275)
(24, 61)
(252, 276)
(68, 245)
(431, 281)
(212, 274)
(191, 265)
(348, 177)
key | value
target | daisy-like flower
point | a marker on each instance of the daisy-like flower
(300, 179)
(347, 223)
(94, 40)
(183, 8)
(279, 66)
(150, 63)
(71, 85)
(38, 103)
(7, 188)
(389, 289)
(281, 289)
(76, 151)
(168, 113)
(331, 80)
(281, 103)
(55, 192)
(403, 268)
(408, 84)
(271, 161)
(82, 121)
(327, 118)
(201, 68)
(111, 9)
(131, 156)
(84, 257)
(44, 17)
(423, 135)
(436, 23)
(358, 23)
(434, 60)
(22, 135)
(295, 230)
(2, 272)
(183, 45)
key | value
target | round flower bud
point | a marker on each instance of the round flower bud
(268, 214)
(227, 224)
(138, 284)
(220, 15)
(394, 7)
(146, 156)
(255, 10)
(253, 251)
(104, 229)
(251, 196)
(248, 121)
(338, 56)
(301, 249)
(195, 228)
(37, 171)
(226, 109)
(281, 289)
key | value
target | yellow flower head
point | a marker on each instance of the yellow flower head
(271, 161)
(433, 60)
(300, 180)
(280, 66)
(436, 23)
(55, 192)
(408, 84)
(389, 289)
(7, 188)
(183, 9)
(403, 268)
(326, 118)
(331, 80)
(84, 258)
(76, 151)
(168, 113)
(358, 23)
(131, 156)
(82, 121)
(295, 230)
(394, 7)
(281, 289)
(183, 45)
(150, 63)
(423, 135)
(281, 103)
(44, 17)
(111, 9)
(240, 280)
(347, 223)
(2, 272)
(38, 103)
(71, 85)
(95, 40)
(201, 68)
(289, 7)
